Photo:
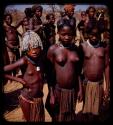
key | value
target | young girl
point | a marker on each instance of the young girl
(65, 87)
(30, 98)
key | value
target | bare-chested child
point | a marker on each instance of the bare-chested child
(63, 92)
(30, 98)
(95, 56)
(11, 38)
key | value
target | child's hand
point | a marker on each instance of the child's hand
(52, 99)
(106, 93)
(22, 81)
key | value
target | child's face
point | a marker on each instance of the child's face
(51, 19)
(25, 21)
(65, 35)
(91, 12)
(34, 52)
(83, 16)
(38, 13)
(8, 20)
(94, 36)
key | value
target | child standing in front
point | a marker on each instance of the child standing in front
(31, 96)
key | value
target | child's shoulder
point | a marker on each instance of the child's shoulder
(23, 60)
(52, 48)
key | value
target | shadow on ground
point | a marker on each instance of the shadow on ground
(11, 100)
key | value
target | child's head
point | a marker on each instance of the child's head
(83, 15)
(37, 10)
(8, 19)
(69, 9)
(25, 21)
(94, 35)
(34, 52)
(51, 18)
(31, 42)
(66, 32)
(91, 11)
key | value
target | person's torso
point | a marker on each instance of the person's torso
(94, 61)
(33, 76)
(66, 67)
(11, 34)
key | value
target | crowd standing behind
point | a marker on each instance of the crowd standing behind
(73, 68)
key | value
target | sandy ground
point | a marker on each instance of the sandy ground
(13, 111)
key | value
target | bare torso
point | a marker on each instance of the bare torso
(34, 81)
(65, 63)
(94, 62)
(11, 36)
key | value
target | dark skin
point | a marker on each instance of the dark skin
(25, 24)
(69, 15)
(49, 30)
(65, 63)
(82, 25)
(12, 40)
(91, 21)
(51, 19)
(35, 26)
(96, 61)
(91, 12)
(31, 78)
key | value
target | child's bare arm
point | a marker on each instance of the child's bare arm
(15, 65)
(15, 78)
(107, 60)
(50, 53)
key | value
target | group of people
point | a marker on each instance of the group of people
(72, 72)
